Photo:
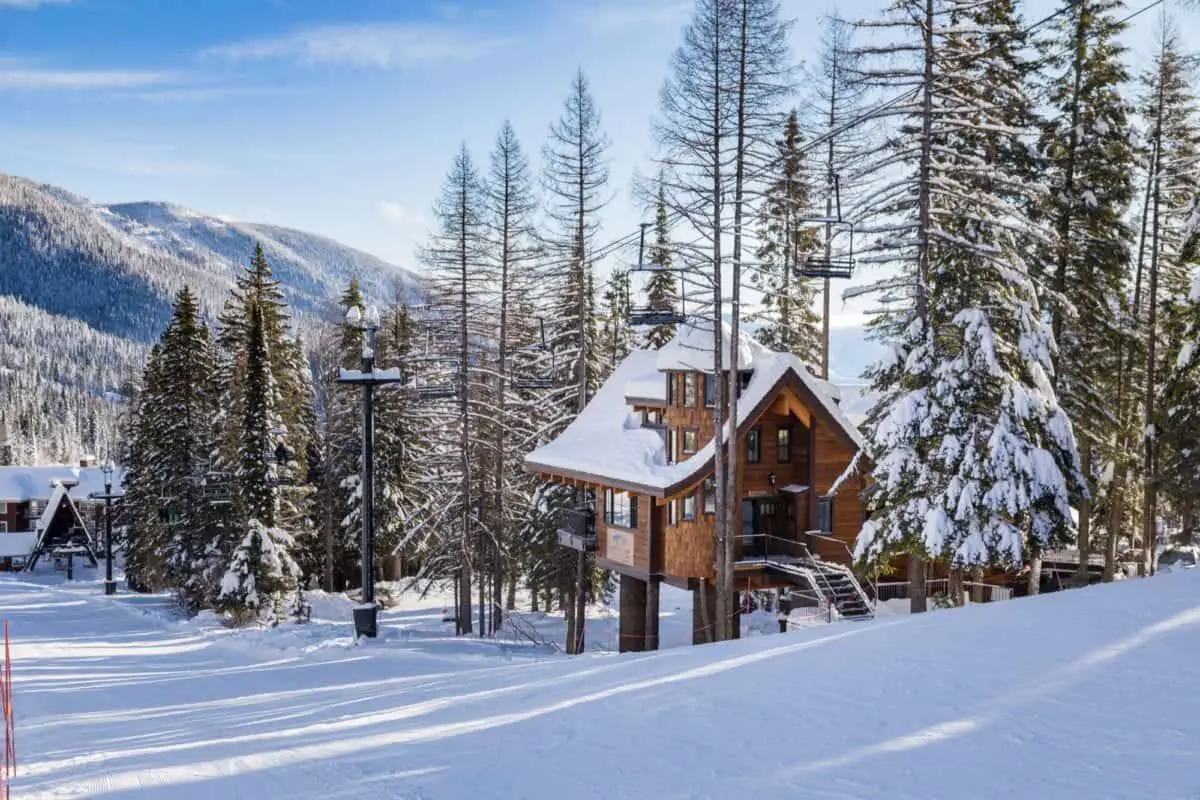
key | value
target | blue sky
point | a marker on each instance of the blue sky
(335, 116)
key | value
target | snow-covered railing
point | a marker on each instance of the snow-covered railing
(940, 587)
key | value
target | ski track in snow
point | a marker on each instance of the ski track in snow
(1088, 693)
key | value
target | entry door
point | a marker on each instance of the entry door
(758, 523)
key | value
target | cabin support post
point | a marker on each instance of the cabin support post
(704, 603)
(652, 587)
(811, 466)
(633, 615)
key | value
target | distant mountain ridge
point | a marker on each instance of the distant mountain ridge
(116, 267)
(85, 288)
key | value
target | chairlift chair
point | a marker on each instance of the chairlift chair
(647, 315)
(840, 263)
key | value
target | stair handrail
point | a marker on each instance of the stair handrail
(849, 573)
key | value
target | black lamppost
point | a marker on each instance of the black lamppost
(366, 613)
(110, 586)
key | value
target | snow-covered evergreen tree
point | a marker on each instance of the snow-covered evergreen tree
(663, 288)
(787, 321)
(261, 573)
(974, 456)
(1087, 165)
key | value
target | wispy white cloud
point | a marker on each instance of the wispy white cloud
(620, 18)
(167, 168)
(379, 45)
(398, 214)
(12, 78)
(32, 3)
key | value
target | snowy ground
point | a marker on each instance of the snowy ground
(1089, 693)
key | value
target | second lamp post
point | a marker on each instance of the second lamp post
(366, 614)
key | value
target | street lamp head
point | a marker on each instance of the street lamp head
(354, 317)
(108, 469)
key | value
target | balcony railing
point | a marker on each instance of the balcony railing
(577, 529)
(762, 547)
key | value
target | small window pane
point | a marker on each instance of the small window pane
(783, 440)
(672, 514)
(710, 390)
(825, 514)
(670, 388)
(754, 446)
(689, 507)
(689, 389)
(689, 441)
(672, 435)
(710, 495)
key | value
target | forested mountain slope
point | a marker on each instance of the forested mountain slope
(84, 289)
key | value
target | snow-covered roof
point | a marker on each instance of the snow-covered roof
(17, 545)
(648, 384)
(51, 509)
(607, 442)
(692, 349)
(21, 484)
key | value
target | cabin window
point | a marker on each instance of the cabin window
(825, 514)
(670, 388)
(672, 514)
(672, 436)
(710, 390)
(620, 509)
(783, 445)
(690, 436)
(689, 389)
(3, 508)
(710, 495)
(689, 508)
(3, 526)
(754, 446)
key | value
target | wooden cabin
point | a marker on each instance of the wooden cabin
(642, 455)
(25, 494)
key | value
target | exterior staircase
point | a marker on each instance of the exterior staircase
(824, 584)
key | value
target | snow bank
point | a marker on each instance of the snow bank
(930, 706)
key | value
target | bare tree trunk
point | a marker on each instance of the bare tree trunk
(726, 599)
(916, 584)
(725, 531)
(1150, 436)
(958, 589)
(1084, 540)
(510, 602)
(581, 605)
(1035, 570)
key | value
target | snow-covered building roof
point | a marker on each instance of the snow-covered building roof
(692, 349)
(22, 484)
(607, 444)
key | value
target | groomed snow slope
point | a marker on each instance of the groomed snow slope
(1082, 694)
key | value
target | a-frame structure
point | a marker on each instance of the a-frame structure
(61, 529)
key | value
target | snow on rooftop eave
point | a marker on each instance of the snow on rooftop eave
(691, 349)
